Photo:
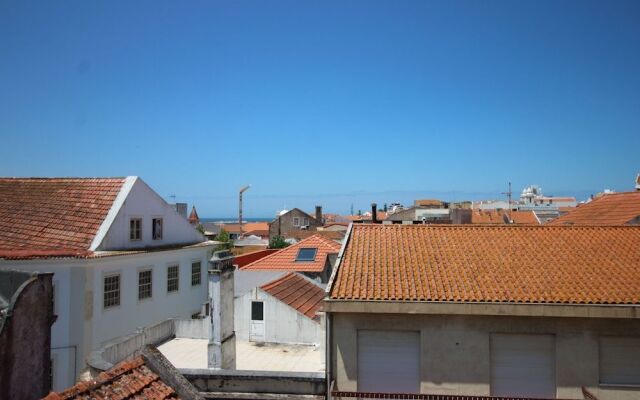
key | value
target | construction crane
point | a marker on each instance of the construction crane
(244, 189)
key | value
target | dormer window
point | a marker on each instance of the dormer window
(307, 254)
(157, 229)
(135, 229)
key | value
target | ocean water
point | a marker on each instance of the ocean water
(234, 219)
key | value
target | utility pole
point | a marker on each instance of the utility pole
(244, 189)
(509, 197)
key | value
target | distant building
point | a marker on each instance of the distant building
(26, 316)
(295, 219)
(193, 216)
(122, 259)
(491, 217)
(532, 197)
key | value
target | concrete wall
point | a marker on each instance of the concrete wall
(142, 202)
(25, 341)
(255, 382)
(282, 324)
(83, 323)
(456, 356)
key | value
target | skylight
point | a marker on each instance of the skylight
(307, 254)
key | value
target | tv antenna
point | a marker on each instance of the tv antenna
(509, 193)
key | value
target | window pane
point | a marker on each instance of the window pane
(111, 291)
(307, 254)
(157, 229)
(196, 277)
(145, 288)
(257, 311)
(172, 278)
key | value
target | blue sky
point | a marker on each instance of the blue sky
(332, 102)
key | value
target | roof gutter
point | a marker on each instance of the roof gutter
(624, 311)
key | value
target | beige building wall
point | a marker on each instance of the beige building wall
(455, 352)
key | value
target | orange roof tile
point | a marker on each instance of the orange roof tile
(193, 217)
(297, 292)
(474, 263)
(248, 227)
(58, 214)
(610, 209)
(285, 259)
(127, 380)
(300, 234)
(502, 217)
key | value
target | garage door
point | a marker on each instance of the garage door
(523, 366)
(388, 361)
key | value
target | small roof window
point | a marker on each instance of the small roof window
(307, 254)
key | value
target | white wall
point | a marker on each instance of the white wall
(143, 202)
(282, 324)
(112, 322)
(245, 280)
(84, 325)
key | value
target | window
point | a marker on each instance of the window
(196, 269)
(257, 311)
(620, 360)
(135, 229)
(145, 288)
(111, 291)
(296, 221)
(307, 254)
(173, 277)
(306, 221)
(156, 228)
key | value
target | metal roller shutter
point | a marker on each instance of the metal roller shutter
(523, 365)
(388, 361)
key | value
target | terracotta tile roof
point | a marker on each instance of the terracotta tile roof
(300, 234)
(610, 209)
(58, 214)
(127, 380)
(247, 258)
(474, 263)
(297, 292)
(502, 217)
(285, 259)
(193, 216)
(428, 203)
(248, 227)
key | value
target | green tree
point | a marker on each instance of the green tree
(277, 242)
(200, 228)
(224, 239)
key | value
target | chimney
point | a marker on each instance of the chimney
(221, 349)
(319, 215)
(374, 213)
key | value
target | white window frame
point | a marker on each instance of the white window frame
(132, 239)
(296, 221)
(154, 235)
(139, 271)
(104, 293)
(177, 289)
(305, 221)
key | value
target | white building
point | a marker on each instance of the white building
(284, 310)
(122, 259)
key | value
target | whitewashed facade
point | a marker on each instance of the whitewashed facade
(84, 321)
